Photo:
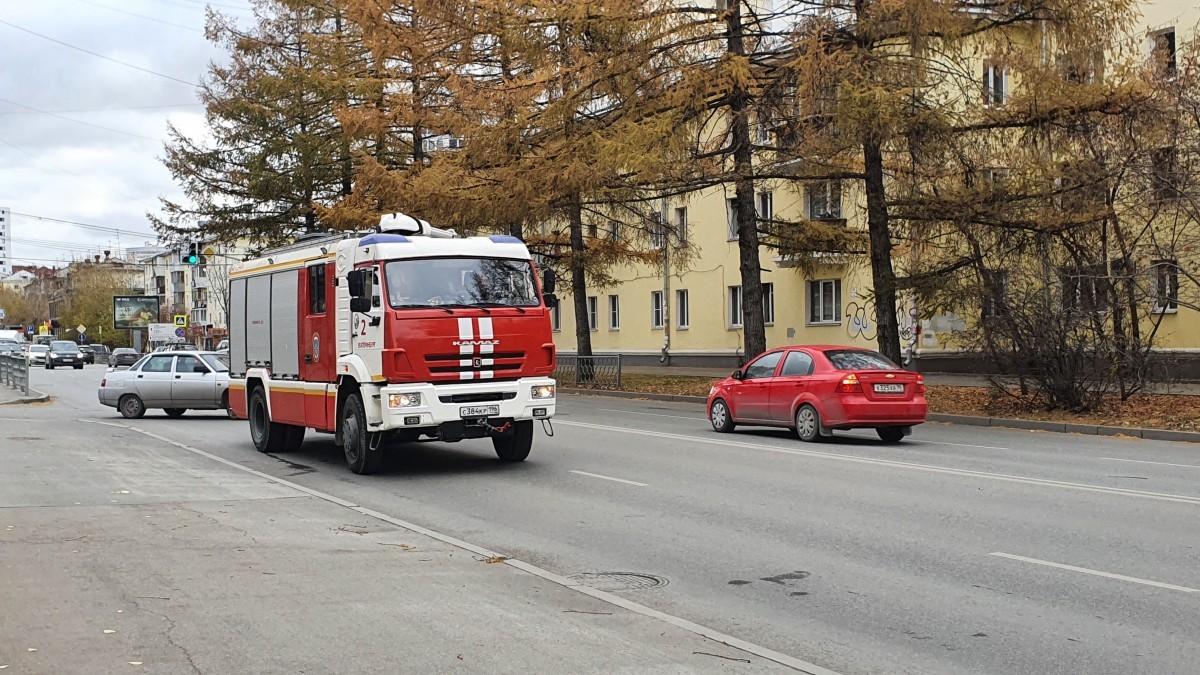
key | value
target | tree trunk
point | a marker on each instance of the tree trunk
(583, 331)
(882, 275)
(753, 325)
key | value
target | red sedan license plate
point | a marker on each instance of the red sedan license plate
(889, 389)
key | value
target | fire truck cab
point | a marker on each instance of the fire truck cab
(408, 332)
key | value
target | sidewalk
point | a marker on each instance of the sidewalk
(123, 553)
(936, 379)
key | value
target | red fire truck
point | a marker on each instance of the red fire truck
(409, 332)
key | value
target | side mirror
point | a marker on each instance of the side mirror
(548, 282)
(199, 369)
(551, 300)
(356, 281)
(360, 304)
(738, 375)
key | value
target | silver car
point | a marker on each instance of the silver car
(173, 381)
(37, 354)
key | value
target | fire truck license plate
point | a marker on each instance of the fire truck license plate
(479, 411)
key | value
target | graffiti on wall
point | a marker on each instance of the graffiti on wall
(860, 321)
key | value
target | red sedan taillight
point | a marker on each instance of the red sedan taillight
(849, 385)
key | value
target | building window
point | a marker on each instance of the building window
(683, 313)
(825, 301)
(1163, 52)
(995, 293)
(1166, 286)
(1085, 289)
(1166, 176)
(735, 306)
(768, 303)
(614, 312)
(593, 312)
(824, 200)
(681, 225)
(995, 85)
(556, 318)
(731, 219)
(316, 289)
(658, 232)
(766, 206)
(656, 309)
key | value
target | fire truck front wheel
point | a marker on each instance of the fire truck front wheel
(270, 436)
(364, 453)
(515, 445)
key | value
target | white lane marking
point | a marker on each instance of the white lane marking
(618, 480)
(702, 419)
(1084, 570)
(616, 600)
(1142, 461)
(1084, 487)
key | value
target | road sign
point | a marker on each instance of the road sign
(3, 313)
(161, 332)
(181, 321)
(82, 338)
(43, 330)
(180, 332)
(81, 328)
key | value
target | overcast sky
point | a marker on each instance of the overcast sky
(62, 165)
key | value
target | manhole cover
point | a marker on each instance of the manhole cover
(619, 581)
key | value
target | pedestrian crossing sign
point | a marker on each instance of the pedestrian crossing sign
(181, 320)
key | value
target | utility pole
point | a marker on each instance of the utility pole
(666, 301)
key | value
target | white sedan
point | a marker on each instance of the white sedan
(172, 381)
(37, 354)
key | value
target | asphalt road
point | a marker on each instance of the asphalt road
(962, 550)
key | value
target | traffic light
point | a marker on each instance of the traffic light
(193, 254)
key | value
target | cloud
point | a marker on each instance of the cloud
(59, 168)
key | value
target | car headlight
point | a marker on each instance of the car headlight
(404, 400)
(543, 391)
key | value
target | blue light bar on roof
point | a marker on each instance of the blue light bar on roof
(504, 239)
(372, 239)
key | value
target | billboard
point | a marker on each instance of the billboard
(134, 311)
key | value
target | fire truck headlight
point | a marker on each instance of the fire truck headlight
(404, 400)
(543, 391)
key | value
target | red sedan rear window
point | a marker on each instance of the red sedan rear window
(859, 359)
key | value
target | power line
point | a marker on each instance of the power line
(86, 226)
(205, 3)
(71, 119)
(95, 110)
(142, 16)
(97, 55)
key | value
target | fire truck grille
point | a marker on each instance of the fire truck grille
(451, 366)
(435, 358)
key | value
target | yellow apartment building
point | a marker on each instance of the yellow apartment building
(692, 317)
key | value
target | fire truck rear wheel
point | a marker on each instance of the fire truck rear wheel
(268, 436)
(357, 440)
(515, 447)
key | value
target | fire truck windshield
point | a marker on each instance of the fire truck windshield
(489, 282)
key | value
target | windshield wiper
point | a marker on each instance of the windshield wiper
(481, 305)
(461, 305)
(445, 308)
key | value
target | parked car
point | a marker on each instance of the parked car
(89, 356)
(173, 381)
(123, 356)
(8, 347)
(101, 353)
(817, 389)
(64, 353)
(175, 347)
(223, 346)
(36, 355)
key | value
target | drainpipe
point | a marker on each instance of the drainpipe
(666, 303)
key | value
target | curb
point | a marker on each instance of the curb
(36, 397)
(962, 420)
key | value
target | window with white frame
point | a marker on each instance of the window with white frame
(656, 309)
(765, 206)
(556, 318)
(681, 224)
(735, 306)
(1166, 286)
(731, 220)
(995, 293)
(614, 312)
(683, 312)
(824, 200)
(995, 85)
(1163, 52)
(768, 303)
(593, 312)
(825, 301)
(658, 232)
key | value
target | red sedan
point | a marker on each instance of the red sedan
(816, 389)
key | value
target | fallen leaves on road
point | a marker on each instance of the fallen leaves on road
(494, 559)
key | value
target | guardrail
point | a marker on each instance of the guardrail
(14, 372)
(589, 372)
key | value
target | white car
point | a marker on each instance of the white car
(174, 382)
(37, 354)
